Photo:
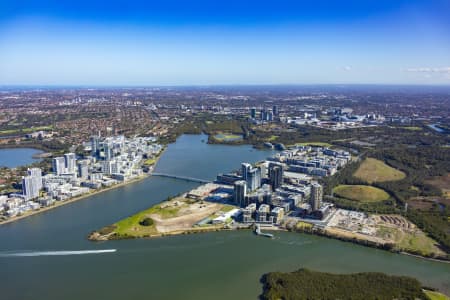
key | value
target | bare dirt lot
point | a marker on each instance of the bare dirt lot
(186, 217)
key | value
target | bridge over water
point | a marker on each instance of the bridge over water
(181, 177)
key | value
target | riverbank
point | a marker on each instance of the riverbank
(84, 196)
(61, 203)
(36, 146)
(362, 240)
(184, 215)
(42, 155)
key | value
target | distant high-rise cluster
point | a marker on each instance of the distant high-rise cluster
(265, 115)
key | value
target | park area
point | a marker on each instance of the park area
(175, 216)
(362, 193)
(374, 170)
(405, 235)
(228, 137)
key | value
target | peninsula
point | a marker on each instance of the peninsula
(270, 194)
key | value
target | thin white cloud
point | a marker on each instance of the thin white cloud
(345, 68)
(444, 70)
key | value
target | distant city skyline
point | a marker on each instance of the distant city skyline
(157, 43)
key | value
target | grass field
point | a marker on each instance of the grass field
(131, 226)
(175, 216)
(374, 170)
(228, 137)
(436, 295)
(416, 242)
(25, 130)
(303, 225)
(318, 144)
(150, 161)
(413, 128)
(363, 193)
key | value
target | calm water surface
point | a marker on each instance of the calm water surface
(224, 265)
(14, 157)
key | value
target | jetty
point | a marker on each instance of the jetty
(259, 232)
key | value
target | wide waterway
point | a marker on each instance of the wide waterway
(222, 265)
(14, 157)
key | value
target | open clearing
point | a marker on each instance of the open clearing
(442, 183)
(374, 170)
(317, 144)
(25, 130)
(176, 215)
(363, 193)
(409, 240)
(436, 295)
(405, 235)
(413, 128)
(228, 137)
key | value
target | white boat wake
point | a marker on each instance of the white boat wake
(56, 253)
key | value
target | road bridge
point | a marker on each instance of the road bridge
(187, 178)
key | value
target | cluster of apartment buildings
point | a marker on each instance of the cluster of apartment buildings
(112, 160)
(315, 161)
(267, 192)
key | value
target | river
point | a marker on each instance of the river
(40, 256)
(15, 157)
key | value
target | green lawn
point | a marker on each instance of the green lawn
(150, 161)
(416, 242)
(413, 128)
(303, 225)
(25, 130)
(131, 226)
(374, 170)
(436, 295)
(227, 208)
(318, 144)
(164, 212)
(363, 193)
(228, 137)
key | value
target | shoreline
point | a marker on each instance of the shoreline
(81, 197)
(84, 196)
(95, 236)
(34, 146)
(424, 257)
(100, 235)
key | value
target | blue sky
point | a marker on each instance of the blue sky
(227, 42)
